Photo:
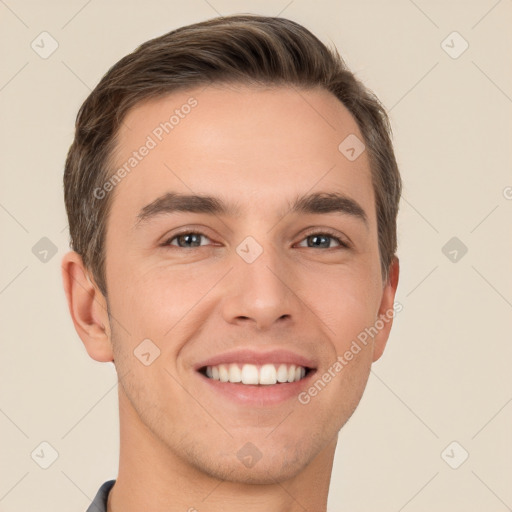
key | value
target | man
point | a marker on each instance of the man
(232, 196)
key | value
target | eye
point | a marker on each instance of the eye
(192, 240)
(186, 238)
(322, 240)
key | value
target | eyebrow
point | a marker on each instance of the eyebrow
(315, 203)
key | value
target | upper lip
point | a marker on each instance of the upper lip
(258, 357)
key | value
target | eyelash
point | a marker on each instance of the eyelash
(330, 234)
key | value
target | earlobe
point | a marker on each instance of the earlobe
(88, 308)
(386, 310)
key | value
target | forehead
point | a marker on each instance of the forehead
(257, 145)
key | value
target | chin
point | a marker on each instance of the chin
(259, 462)
(262, 473)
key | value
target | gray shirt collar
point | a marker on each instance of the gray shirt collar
(99, 504)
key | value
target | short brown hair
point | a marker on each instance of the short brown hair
(245, 49)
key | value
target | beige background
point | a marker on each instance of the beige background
(445, 375)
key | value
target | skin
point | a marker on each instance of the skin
(259, 147)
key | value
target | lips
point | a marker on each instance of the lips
(259, 358)
(262, 394)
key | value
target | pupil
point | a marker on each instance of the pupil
(316, 237)
(191, 235)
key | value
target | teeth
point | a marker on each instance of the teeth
(250, 374)
(235, 374)
(223, 373)
(282, 373)
(267, 374)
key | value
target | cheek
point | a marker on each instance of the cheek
(159, 302)
(346, 303)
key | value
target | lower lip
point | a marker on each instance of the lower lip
(259, 395)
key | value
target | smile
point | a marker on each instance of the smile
(251, 374)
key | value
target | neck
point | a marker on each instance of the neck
(152, 477)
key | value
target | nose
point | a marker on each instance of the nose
(261, 292)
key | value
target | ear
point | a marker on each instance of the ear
(88, 308)
(386, 309)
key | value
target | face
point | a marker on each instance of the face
(256, 276)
